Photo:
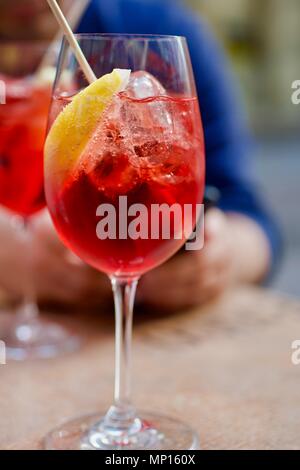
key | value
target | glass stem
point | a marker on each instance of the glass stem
(28, 310)
(122, 414)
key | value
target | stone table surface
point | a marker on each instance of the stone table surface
(225, 368)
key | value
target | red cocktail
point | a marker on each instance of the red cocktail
(23, 121)
(131, 154)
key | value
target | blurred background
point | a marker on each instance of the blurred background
(262, 39)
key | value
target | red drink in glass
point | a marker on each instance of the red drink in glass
(23, 122)
(134, 154)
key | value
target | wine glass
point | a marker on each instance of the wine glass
(23, 123)
(144, 150)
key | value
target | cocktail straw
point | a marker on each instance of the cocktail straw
(73, 18)
(88, 72)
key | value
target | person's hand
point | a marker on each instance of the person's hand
(193, 277)
(59, 276)
(236, 250)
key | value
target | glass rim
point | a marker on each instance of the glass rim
(145, 37)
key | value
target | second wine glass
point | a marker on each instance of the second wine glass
(23, 123)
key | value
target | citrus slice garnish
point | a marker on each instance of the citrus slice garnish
(76, 124)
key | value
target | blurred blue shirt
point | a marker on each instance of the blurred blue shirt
(228, 143)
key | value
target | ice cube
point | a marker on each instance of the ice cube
(114, 174)
(143, 85)
(137, 137)
(153, 115)
(108, 159)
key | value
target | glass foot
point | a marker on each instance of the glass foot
(37, 339)
(151, 431)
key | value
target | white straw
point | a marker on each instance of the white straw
(90, 76)
(73, 17)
